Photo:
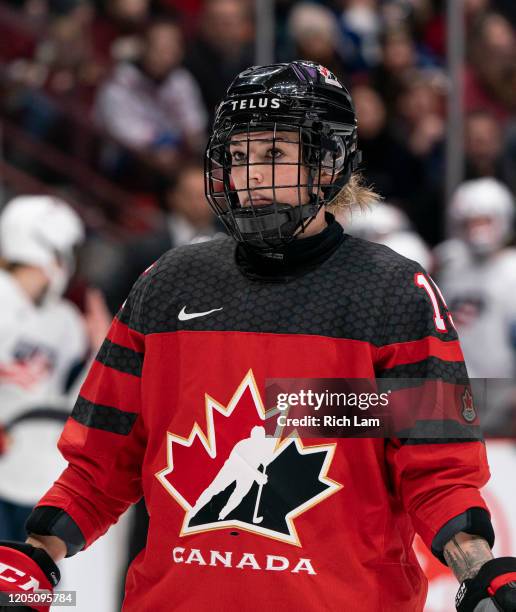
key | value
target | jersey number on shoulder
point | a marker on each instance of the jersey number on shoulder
(431, 288)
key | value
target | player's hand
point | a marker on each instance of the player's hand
(24, 569)
(493, 588)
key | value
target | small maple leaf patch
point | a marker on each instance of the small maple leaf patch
(468, 408)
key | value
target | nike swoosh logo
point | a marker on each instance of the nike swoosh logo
(185, 316)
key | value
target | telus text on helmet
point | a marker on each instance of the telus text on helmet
(249, 103)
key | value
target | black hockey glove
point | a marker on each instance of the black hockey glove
(496, 580)
(25, 569)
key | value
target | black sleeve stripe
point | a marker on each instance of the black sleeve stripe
(416, 441)
(120, 358)
(102, 417)
(444, 431)
(430, 368)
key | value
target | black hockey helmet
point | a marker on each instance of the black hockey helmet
(302, 98)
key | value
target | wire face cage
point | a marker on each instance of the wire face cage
(267, 181)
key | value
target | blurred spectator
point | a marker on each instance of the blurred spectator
(187, 218)
(63, 66)
(64, 62)
(416, 16)
(434, 31)
(20, 42)
(63, 72)
(398, 60)
(387, 162)
(434, 34)
(118, 28)
(484, 149)
(420, 126)
(490, 77)
(69, 53)
(188, 11)
(420, 115)
(315, 35)
(153, 104)
(361, 28)
(223, 47)
(403, 154)
(474, 8)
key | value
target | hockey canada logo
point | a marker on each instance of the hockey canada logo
(328, 77)
(231, 475)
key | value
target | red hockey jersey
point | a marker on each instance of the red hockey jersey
(173, 406)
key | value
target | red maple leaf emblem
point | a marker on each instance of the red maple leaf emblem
(467, 400)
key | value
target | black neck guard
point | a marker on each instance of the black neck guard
(294, 259)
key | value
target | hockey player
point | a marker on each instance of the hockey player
(42, 339)
(179, 382)
(477, 273)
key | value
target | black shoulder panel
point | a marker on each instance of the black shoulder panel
(364, 291)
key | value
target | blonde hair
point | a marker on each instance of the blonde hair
(354, 194)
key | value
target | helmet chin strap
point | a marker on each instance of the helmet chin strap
(260, 226)
(272, 226)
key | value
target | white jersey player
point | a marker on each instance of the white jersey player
(42, 337)
(477, 274)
